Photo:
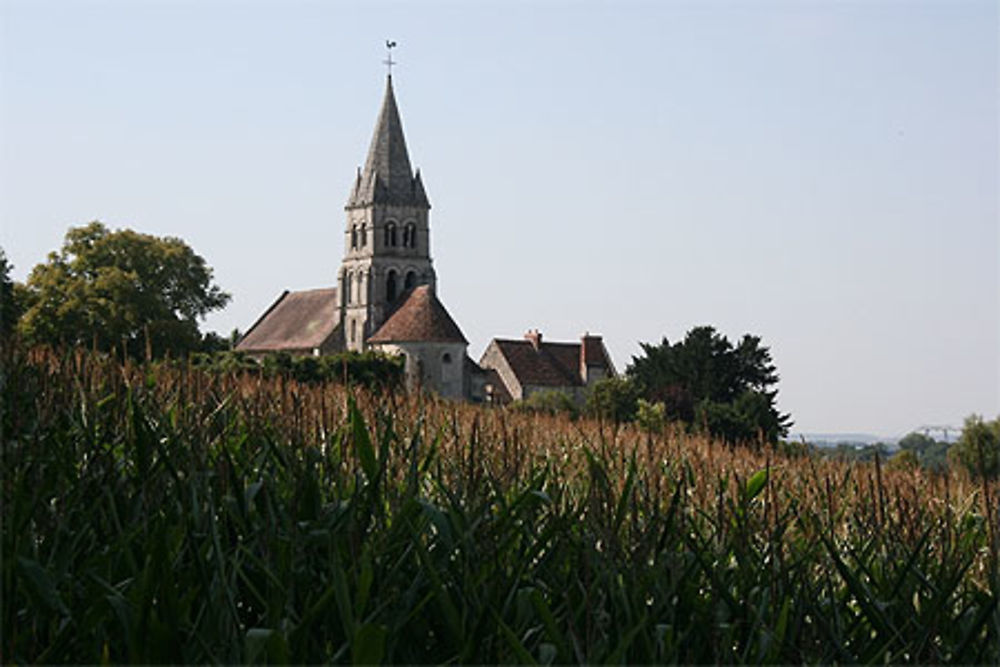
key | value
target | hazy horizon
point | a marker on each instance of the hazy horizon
(821, 174)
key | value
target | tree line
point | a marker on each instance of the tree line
(703, 382)
(141, 296)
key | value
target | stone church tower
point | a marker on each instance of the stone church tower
(386, 298)
(387, 237)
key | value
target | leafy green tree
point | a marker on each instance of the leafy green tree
(121, 288)
(212, 343)
(614, 399)
(931, 454)
(904, 459)
(916, 442)
(10, 298)
(978, 448)
(706, 381)
(725, 421)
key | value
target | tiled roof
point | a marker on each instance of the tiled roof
(421, 318)
(387, 177)
(594, 353)
(296, 321)
(551, 365)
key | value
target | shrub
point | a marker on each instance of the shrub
(652, 416)
(904, 459)
(614, 399)
(978, 448)
(550, 401)
(374, 370)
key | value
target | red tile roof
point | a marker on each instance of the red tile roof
(547, 364)
(550, 365)
(296, 321)
(421, 318)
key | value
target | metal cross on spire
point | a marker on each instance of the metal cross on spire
(389, 62)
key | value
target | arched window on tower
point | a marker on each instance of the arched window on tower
(348, 287)
(390, 286)
(411, 279)
(354, 237)
(364, 235)
(390, 235)
(410, 235)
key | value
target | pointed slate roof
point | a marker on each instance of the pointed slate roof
(296, 321)
(421, 318)
(387, 177)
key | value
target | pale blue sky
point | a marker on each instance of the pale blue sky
(823, 174)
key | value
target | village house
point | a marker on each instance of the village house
(519, 368)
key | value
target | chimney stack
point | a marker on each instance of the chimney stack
(534, 336)
(590, 355)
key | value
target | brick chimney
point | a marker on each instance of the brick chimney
(534, 336)
(592, 364)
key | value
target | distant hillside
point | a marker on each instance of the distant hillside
(834, 439)
(862, 439)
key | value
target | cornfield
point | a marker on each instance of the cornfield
(163, 514)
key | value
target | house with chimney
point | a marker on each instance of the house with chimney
(518, 368)
(386, 297)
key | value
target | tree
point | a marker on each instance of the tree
(916, 442)
(978, 448)
(704, 380)
(904, 459)
(550, 401)
(932, 454)
(121, 288)
(10, 297)
(613, 398)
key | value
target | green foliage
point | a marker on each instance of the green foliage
(904, 459)
(614, 399)
(916, 442)
(795, 450)
(705, 381)
(372, 369)
(930, 454)
(211, 343)
(651, 416)
(115, 289)
(978, 448)
(550, 401)
(159, 514)
(10, 306)
(849, 451)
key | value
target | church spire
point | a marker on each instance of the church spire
(387, 177)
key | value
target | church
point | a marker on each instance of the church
(386, 297)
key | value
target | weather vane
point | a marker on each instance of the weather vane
(389, 62)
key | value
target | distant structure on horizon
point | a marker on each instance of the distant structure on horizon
(386, 297)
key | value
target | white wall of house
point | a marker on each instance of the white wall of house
(435, 366)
